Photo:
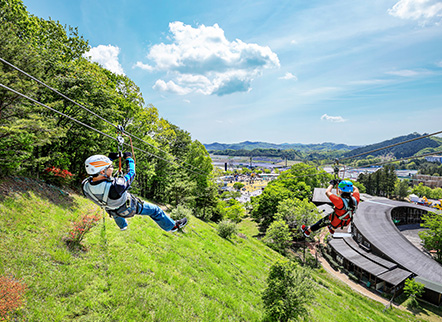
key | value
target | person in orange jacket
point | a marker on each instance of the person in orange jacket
(344, 207)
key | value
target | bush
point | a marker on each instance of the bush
(226, 228)
(278, 236)
(79, 230)
(235, 211)
(180, 212)
(57, 176)
(413, 290)
(289, 289)
(11, 296)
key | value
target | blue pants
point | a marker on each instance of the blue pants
(155, 212)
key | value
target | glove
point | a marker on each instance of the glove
(113, 155)
(334, 182)
(127, 155)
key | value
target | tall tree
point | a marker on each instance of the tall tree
(432, 237)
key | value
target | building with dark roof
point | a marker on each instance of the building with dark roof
(379, 255)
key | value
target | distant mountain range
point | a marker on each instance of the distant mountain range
(247, 145)
(415, 147)
(402, 150)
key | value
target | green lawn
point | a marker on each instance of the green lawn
(146, 274)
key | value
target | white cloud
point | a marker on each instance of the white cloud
(289, 76)
(170, 87)
(409, 72)
(143, 66)
(320, 91)
(421, 10)
(202, 60)
(439, 64)
(336, 119)
(106, 56)
(369, 82)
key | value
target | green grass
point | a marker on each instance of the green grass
(146, 274)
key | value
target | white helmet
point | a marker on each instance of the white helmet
(96, 163)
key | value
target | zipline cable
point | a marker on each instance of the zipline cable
(55, 91)
(379, 149)
(153, 146)
(398, 160)
(90, 127)
(390, 146)
(95, 114)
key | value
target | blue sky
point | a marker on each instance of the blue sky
(354, 72)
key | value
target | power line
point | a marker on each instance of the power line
(88, 110)
(90, 127)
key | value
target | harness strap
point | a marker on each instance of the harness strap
(103, 202)
(347, 216)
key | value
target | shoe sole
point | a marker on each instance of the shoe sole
(179, 227)
(303, 233)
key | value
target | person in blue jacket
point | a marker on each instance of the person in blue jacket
(112, 193)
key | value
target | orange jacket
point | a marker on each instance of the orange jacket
(339, 211)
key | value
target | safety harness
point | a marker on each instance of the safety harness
(344, 219)
(126, 206)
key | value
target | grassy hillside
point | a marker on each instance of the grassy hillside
(145, 274)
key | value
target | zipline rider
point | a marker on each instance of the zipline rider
(112, 193)
(344, 207)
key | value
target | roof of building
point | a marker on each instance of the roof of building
(320, 197)
(381, 261)
(373, 220)
(429, 284)
(395, 276)
(388, 272)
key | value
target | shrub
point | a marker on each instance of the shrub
(278, 236)
(180, 212)
(235, 211)
(226, 228)
(238, 185)
(79, 230)
(57, 176)
(289, 289)
(413, 290)
(11, 296)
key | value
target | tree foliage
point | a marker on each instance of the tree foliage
(413, 290)
(297, 212)
(381, 182)
(278, 236)
(432, 237)
(424, 191)
(289, 290)
(296, 183)
(175, 169)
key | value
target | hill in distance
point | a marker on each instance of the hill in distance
(248, 145)
(425, 145)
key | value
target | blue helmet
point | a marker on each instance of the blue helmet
(345, 186)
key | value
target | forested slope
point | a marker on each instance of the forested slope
(400, 151)
(36, 140)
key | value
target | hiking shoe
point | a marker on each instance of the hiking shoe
(330, 229)
(305, 231)
(179, 224)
